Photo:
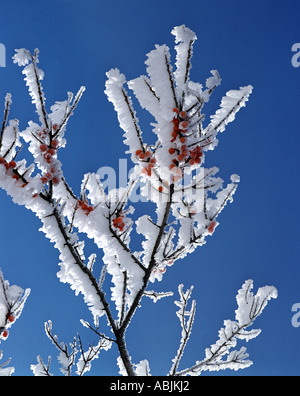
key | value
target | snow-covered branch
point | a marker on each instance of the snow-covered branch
(188, 197)
(220, 356)
(12, 300)
(67, 356)
(186, 324)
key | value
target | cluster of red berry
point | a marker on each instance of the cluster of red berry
(10, 318)
(118, 222)
(11, 165)
(84, 205)
(8, 165)
(180, 125)
(182, 155)
(148, 160)
(48, 152)
(50, 176)
(195, 155)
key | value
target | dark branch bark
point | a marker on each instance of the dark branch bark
(152, 263)
(120, 340)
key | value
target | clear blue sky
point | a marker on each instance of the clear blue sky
(249, 42)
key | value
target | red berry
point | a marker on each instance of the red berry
(11, 318)
(12, 164)
(46, 177)
(55, 180)
(2, 160)
(184, 124)
(172, 150)
(160, 188)
(138, 152)
(176, 110)
(55, 127)
(48, 158)
(182, 114)
(54, 143)
(43, 147)
(5, 334)
(211, 227)
(51, 151)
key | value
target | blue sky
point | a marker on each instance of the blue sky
(258, 237)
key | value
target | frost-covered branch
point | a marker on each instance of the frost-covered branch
(186, 325)
(65, 357)
(41, 369)
(155, 296)
(68, 354)
(219, 356)
(5, 371)
(12, 300)
(188, 197)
